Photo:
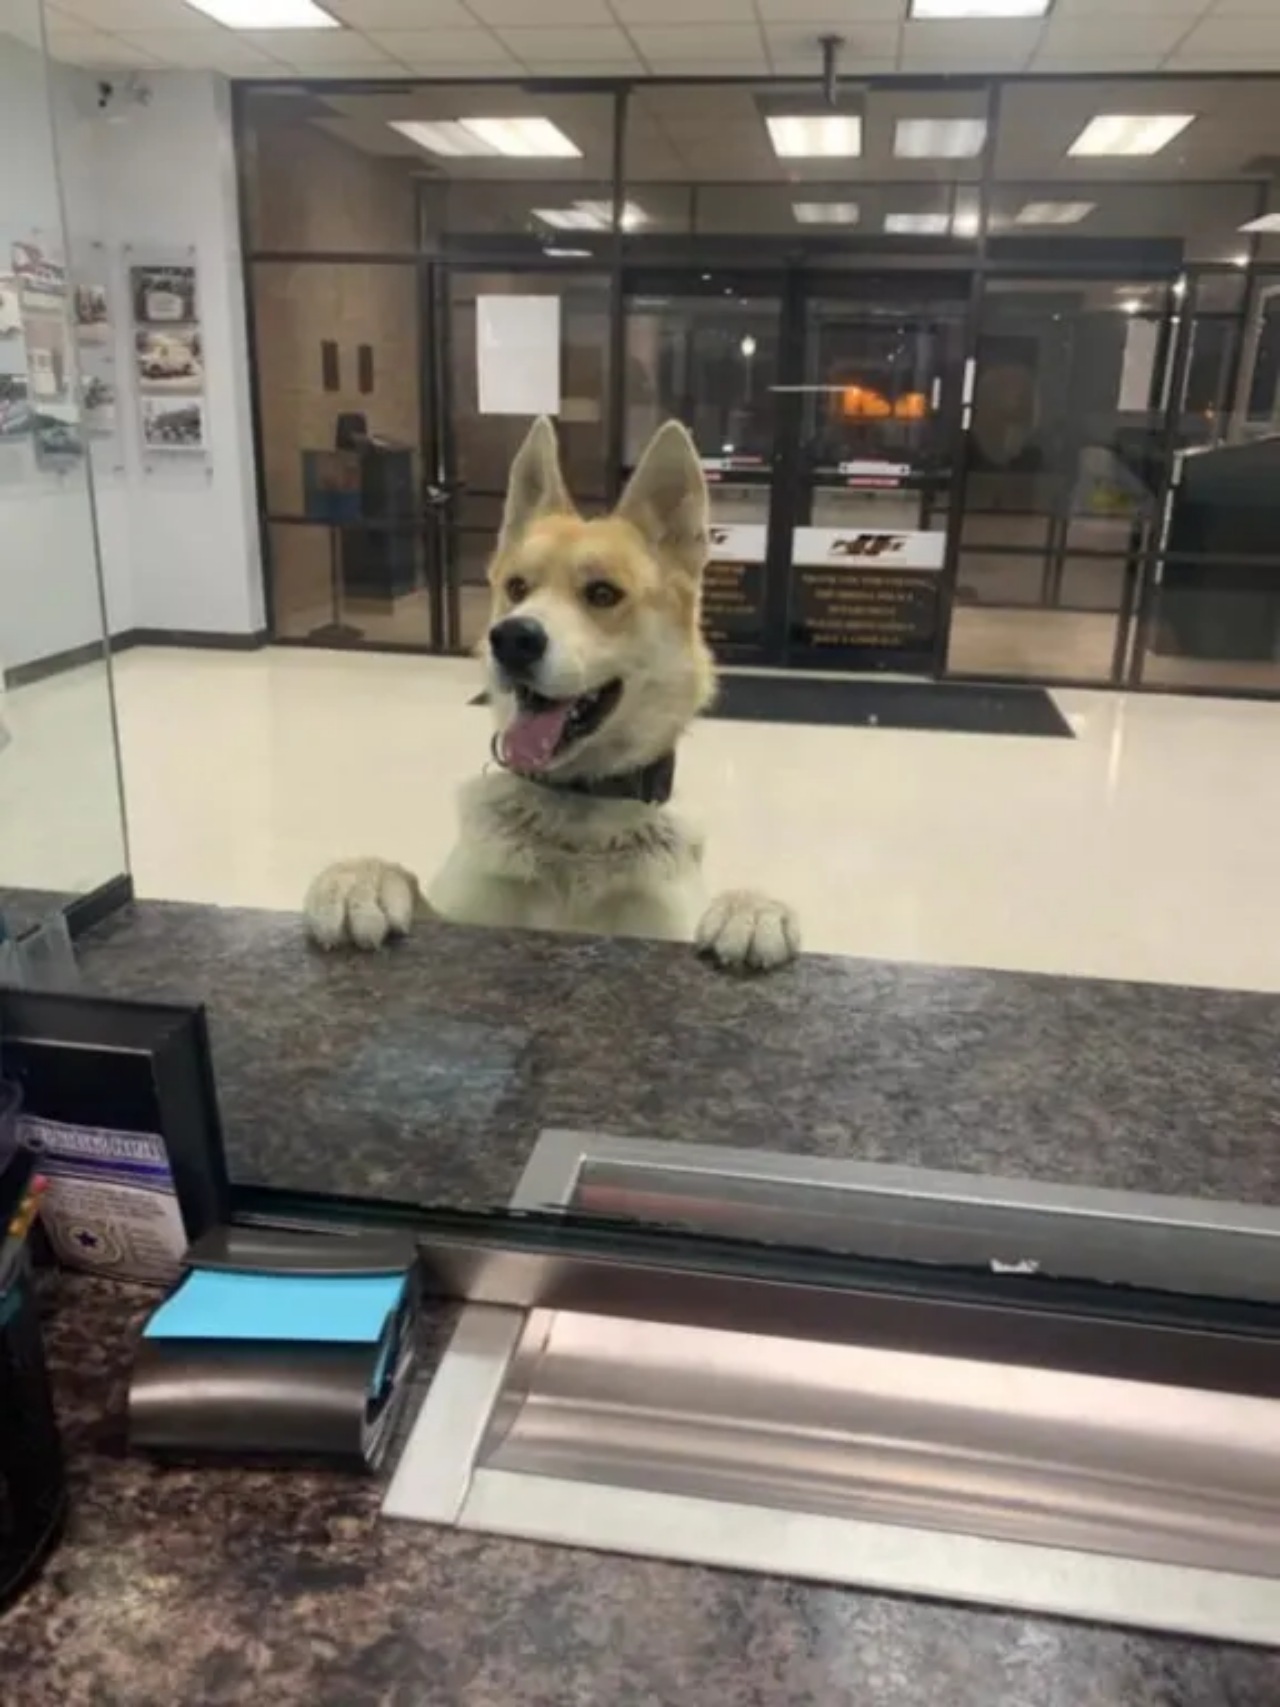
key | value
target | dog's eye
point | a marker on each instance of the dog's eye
(517, 589)
(602, 594)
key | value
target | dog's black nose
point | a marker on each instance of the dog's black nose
(518, 642)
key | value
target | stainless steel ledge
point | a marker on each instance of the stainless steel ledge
(1010, 1482)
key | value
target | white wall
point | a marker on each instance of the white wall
(179, 543)
(49, 600)
(162, 177)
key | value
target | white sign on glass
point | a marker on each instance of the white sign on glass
(518, 355)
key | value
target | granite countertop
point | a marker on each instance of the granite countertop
(284, 1589)
(428, 1073)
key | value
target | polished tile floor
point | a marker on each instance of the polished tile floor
(1143, 849)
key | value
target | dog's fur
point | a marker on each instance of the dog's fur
(535, 854)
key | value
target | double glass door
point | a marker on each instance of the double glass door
(825, 412)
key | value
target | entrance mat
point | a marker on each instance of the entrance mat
(885, 705)
(948, 706)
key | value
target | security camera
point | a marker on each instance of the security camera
(117, 101)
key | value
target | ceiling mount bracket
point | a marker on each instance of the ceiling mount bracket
(831, 46)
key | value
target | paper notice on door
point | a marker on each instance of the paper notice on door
(518, 355)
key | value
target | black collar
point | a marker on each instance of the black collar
(651, 784)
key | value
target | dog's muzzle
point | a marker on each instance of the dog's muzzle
(518, 645)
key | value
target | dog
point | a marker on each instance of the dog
(596, 666)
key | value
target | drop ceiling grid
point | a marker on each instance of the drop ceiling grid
(694, 37)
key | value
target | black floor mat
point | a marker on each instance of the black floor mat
(886, 705)
(978, 710)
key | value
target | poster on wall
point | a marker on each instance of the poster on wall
(164, 295)
(93, 325)
(168, 359)
(10, 308)
(173, 424)
(44, 310)
(518, 355)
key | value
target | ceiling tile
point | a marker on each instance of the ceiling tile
(55, 22)
(1067, 64)
(978, 45)
(798, 43)
(708, 67)
(550, 13)
(211, 49)
(1188, 10)
(1235, 37)
(548, 49)
(1108, 35)
(93, 48)
(698, 43)
(684, 11)
(316, 47)
(424, 48)
(371, 15)
(834, 14)
(130, 16)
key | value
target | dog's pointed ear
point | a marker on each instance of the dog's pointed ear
(666, 498)
(536, 486)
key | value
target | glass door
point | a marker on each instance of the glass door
(494, 385)
(704, 347)
(1066, 459)
(881, 400)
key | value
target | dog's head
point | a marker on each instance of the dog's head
(595, 653)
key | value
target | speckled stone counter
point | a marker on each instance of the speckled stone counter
(428, 1073)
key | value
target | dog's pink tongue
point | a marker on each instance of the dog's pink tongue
(529, 742)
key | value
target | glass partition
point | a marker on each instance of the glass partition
(969, 400)
(61, 823)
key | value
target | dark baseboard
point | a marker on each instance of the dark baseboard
(204, 639)
(39, 669)
(22, 675)
(86, 911)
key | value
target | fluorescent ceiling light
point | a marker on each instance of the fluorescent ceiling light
(558, 254)
(524, 138)
(1270, 222)
(939, 139)
(825, 213)
(967, 222)
(533, 138)
(267, 14)
(815, 136)
(918, 224)
(1054, 213)
(979, 8)
(1130, 133)
(590, 216)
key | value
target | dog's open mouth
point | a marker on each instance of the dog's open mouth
(544, 729)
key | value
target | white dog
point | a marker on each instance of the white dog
(596, 666)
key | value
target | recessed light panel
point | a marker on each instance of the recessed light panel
(266, 14)
(917, 224)
(825, 213)
(1129, 133)
(516, 138)
(939, 139)
(1054, 213)
(951, 9)
(590, 216)
(530, 138)
(815, 136)
(1268, 224)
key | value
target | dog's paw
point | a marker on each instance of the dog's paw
(745, 932)
(360, 901)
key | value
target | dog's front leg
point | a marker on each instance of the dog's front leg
(361, 902)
